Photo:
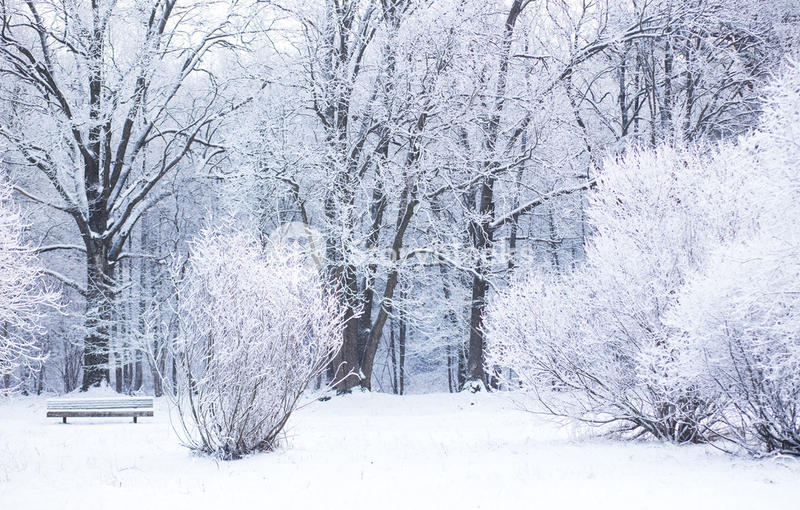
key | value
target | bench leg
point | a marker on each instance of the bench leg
(134, 419)
(63, 419)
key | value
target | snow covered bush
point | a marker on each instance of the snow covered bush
(256, 327)
(738, 321)
(598, 333)
(739, 341)
(556, 342)
(684, 320)
(23, 295)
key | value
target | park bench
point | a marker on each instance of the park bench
(99, 407)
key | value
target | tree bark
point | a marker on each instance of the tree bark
(393, 356)
(99, 316)
(401, 365)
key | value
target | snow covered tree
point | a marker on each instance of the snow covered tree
(108, 99)
(256, 326)
(23, 295)
(446, 134)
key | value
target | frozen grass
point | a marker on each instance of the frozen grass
(375, 451)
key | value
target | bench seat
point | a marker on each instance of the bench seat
(133, 407)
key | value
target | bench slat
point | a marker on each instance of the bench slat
(120, 399)
(100, 406)
(100, 403)
(108, 413)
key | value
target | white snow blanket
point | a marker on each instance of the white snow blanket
(377, 451)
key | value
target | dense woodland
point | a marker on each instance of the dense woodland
(427, 153)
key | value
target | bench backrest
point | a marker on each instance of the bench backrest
(63, 404)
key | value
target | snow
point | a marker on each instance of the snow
(376, 451)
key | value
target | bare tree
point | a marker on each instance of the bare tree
(96, 88)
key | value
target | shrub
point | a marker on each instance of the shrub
(256, 327)
(683, 322)
(737, 321)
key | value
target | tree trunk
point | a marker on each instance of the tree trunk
(377, 207)
(158, 383)
(40, 378)
(553, 244)
(174, 376)
(475, 355)
(666, 111)
(393, 357)
(137, 371)
(99, 316)
(401, 365)
(450, 387)
(622, 98)
(118, 378)
(348, 373)
(462, 366)
(99, 277)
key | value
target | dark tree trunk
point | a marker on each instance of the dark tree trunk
(393, 356)
(475, 355)
(482, 242)
(666, 111)
(159, 359)
(377, 207)
(403, 220)
(455, 367)
(100, 273)
(554, 242)
(137, 371)
(174, 376)
(40, 378)
(128, 373)
(462, 366)
(99, 317)
(401, 364)
(158, 382)
(450, 385)
(690, 87)
(348, 373)
(118, 377)
(622, 98)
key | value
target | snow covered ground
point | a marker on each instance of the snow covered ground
(376, 451)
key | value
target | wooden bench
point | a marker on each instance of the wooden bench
(99, 407)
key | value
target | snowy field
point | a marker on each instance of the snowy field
(376, 451)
